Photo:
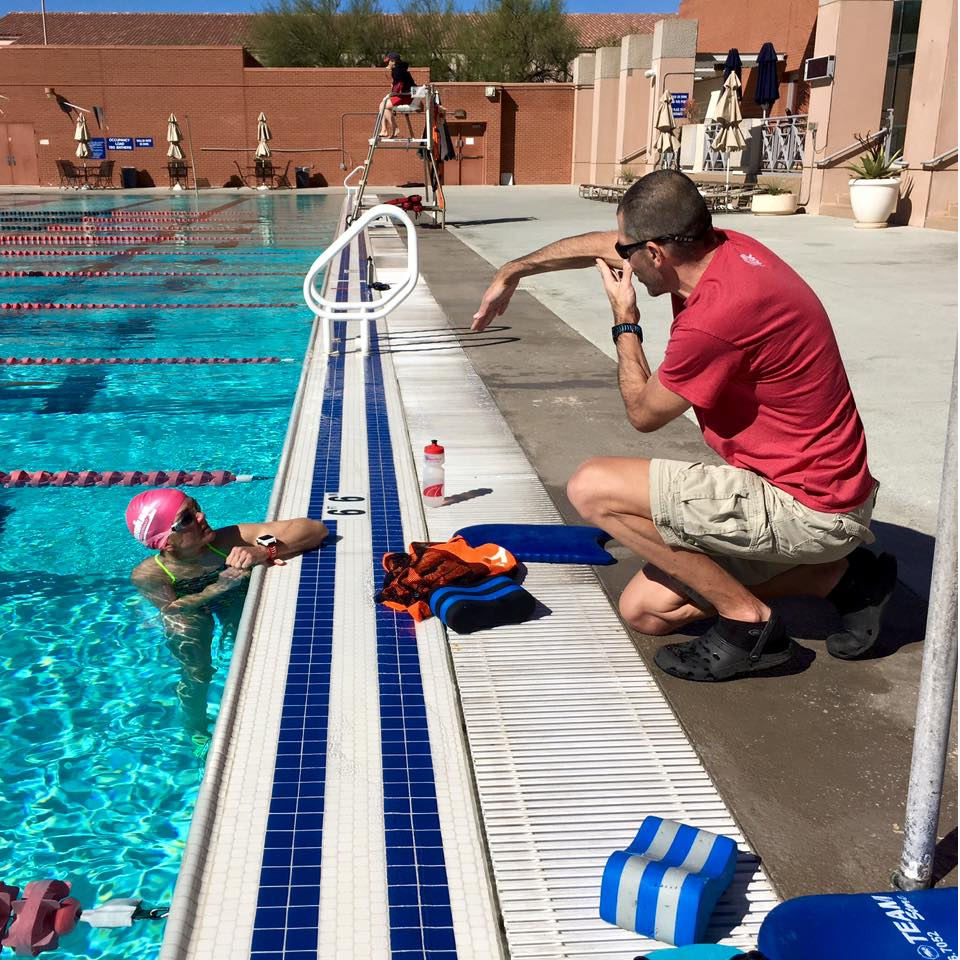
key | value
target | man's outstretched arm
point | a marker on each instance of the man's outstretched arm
(571, 253)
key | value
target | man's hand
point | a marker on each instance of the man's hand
(495, 301)
(620, 292)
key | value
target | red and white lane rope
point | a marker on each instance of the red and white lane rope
(124, 361)
(148, 306)
(144, 273)
(122, 478)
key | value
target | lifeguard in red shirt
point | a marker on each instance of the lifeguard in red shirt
(751, 350)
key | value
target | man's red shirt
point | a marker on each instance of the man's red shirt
(753, 350)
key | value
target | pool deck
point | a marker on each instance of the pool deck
(830, 817)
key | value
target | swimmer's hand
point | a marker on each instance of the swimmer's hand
(247, 556)
(232, 576)
(495, 301)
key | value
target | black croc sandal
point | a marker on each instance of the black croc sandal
(710, 658)
(872, 581)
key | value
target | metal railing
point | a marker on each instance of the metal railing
(850, 148)
(630, 157)
(366, 311)
(783, 139)
(346, 184)
(713, 159)
(947, 155)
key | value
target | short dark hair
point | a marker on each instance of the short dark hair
(666, 203)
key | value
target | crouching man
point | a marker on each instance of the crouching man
(751, 349)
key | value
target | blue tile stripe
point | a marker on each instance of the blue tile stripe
(421, 922)
(288, 905)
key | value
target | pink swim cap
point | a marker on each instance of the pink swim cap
(151, 514)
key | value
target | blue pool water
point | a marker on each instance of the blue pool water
(100, 773)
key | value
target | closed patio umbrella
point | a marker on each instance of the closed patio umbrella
(733, 64)
(263, 138)
(728, 115)
(82, 138)
(768, 86)
(173, 138)
(666, 140)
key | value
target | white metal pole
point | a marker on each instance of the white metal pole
(43, 19)
(937, 683)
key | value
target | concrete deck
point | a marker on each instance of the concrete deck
(814, 763)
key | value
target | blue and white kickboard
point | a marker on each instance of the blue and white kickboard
(667, 882)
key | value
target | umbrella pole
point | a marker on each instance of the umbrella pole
(931, 738)
(193, 162)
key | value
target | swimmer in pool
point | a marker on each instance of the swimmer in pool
(199, 577)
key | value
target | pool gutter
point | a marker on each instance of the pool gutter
(186, 896)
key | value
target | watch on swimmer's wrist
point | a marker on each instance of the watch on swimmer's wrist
(620, 328)
(272, 546)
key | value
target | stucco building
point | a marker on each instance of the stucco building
(886, 63)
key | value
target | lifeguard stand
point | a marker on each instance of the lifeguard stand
(425, 101)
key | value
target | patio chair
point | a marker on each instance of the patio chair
(241, 174)
(102, 177)
(177, 171)
(70, 176)
(281, 179)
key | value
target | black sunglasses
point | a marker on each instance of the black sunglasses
(626, 250)
(187, 520)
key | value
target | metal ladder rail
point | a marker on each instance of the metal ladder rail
(371, 150)
(367, 311)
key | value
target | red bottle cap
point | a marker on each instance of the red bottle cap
(433, 447)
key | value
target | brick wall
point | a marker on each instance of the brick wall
(543, 132)
(140, 86)
(529, 128)
(319, 113)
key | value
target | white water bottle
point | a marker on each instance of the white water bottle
(433, 474)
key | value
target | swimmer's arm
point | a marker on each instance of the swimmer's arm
(160, 593)
(571, 253)
(294, 537)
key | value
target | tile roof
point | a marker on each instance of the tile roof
(128, 29)
(231, 29)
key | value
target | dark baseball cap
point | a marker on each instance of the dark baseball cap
(391, 56)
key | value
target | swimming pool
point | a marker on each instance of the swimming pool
(100, 772)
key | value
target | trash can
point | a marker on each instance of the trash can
(303, 177)
(128, 177)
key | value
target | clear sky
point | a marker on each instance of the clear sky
(250, 6)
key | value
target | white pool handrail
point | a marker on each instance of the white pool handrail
(330, 310)
(348, 187)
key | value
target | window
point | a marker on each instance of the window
(900, 60)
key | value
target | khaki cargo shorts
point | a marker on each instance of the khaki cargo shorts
(753, 529)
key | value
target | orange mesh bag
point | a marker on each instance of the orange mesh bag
(411, 577)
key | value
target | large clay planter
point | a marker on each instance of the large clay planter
(873, 201)
(773, 204)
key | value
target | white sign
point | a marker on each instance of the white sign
(468, 141)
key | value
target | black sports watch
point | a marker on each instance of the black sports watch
(627, 328)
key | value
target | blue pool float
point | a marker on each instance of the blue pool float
(543, 542)
(667, 882)
(921, 925)
(493, 602)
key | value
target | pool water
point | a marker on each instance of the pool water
(100, 766)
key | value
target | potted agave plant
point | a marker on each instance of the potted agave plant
(776, 200)
(875, 186)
